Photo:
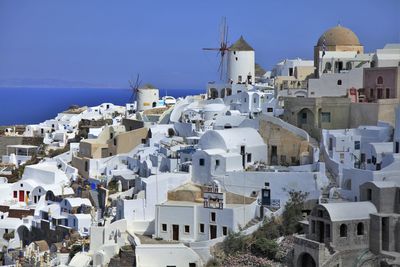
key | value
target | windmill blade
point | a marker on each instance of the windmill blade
(223, 46)
(226, 37)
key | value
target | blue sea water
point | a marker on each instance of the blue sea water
(34, 105)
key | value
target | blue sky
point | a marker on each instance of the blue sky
(105, 43)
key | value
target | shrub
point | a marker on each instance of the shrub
(264, 247)
(8, 236)
(234, 243)
(213, 262)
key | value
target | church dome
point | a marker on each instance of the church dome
(338, 36)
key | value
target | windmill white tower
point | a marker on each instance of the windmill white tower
(241, 63)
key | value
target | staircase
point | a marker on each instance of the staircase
(251, 223)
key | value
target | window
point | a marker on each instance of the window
(201, 162)
(330, 144)
(325, 117)
(373, 160)
(343, 230)
(217, 162)
(15, 194)
(380, 93)
(360, 228)
(187, 229)
(213, 216)
(240, 78)
(249, 157)
(378, 166)
(379, 80)
(201, 228)
(21, 185)
(339, 82)
(313, 226)
(357, 145)
(164, 227)
(283, 158)
(270, 110)
(362, 157)
(254, 100)
(328, 230)
(245, 100)
(369, 194)
(236, 58)
(304, 117)
(224, 230)
(387, 93)
(397, 148)
(320, 214)
(115, 141)
(371, 93)
(86, 166)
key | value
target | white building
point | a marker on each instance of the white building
(227, 150)
(288, 67)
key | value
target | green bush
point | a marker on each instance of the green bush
(270, 229)
(8, 236)
(234, 243)
(213, 263)
(264, 247)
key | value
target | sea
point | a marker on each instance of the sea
(33, 105)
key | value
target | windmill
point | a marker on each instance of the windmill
(223, 46)
(134, 87)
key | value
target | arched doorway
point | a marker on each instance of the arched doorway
(305, 119)
(24, 235)
(306, 260)
(213, 93)
(223, 93)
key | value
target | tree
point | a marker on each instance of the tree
(292, 213)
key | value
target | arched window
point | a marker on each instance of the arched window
(379, 80)
(348, 66)
(339, 82)
(343, 230)
(360, 228)
(328, 66)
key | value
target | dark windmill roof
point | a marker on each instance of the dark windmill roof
(147, 86)
(241, 45)
(259, 71)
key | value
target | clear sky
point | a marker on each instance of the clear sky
(105, 43)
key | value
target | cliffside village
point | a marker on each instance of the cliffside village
(160, 182)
